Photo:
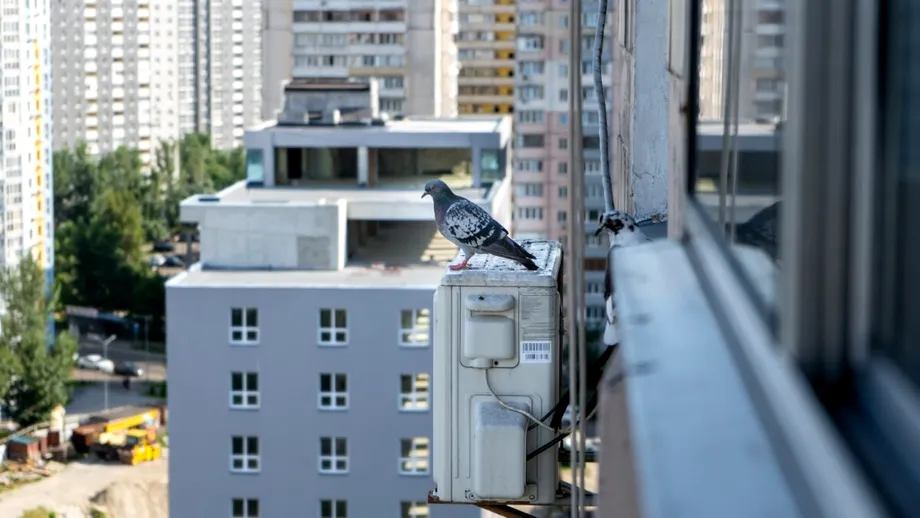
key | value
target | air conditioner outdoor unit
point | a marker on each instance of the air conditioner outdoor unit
(497, 344)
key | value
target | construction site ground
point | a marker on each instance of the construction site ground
(80, 486)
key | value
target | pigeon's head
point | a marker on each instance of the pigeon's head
(615, 222)
(437, 189)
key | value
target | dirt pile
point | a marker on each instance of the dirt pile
(142, 499)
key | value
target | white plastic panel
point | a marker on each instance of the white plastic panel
(499, 450)
(488, 337)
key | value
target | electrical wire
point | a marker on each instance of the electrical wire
(601, 95)
(506, 406)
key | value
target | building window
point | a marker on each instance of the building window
(244, 326)
(530, 213)
(413, 510)
(414, 327)
(333, 455)
(333, 509)
(244, 390)
(563, 143)
(563, 192)
(244, 454)
(333, 391)
(413, 392)
(245, 508)
(562, 168)
(413, 456)
(333, 327)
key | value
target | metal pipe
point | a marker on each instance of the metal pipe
(737, 43)
(728, 58)
(601, 95)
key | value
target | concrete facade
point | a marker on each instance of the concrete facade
(288, 423)
(26, 178)
(115, 74)
(407, 45)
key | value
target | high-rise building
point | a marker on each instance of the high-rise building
(407, 45)
(115, 73)
(25, 134)
(542, 168)
(486, 50)
(760, 62)
(300, 346)
(220, 68)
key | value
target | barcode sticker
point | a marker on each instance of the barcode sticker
(536, 351)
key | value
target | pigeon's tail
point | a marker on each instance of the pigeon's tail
(507, 248)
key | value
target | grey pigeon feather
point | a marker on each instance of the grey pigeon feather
(761, 230)
(623, 231)
(470, 227)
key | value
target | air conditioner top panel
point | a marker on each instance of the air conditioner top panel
(488, 270)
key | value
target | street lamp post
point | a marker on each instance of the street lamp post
(105, 355)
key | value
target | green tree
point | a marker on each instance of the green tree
(37, 370)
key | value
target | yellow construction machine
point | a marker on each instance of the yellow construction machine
(129, 436)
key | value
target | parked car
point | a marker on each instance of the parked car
(173, 261)
(128, 369)
(157, 260)
(164, 246)
(96, 362)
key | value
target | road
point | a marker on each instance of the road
(90, 399)
(153, 364)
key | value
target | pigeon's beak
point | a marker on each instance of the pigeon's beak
(424, 194)
(598, 231)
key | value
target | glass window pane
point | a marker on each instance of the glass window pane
(341, 446)
(340, 318)
(252, 445)
(252, 381)
(341, 509)
(325, 318)
(252, 317)
(325, 382)
(252, 508)
(236, 381)
(237, 507)
(237, 445)
(325, 446)
(236, 317)
(340, 337)
(325, 336)
(325, 508)
(406, 318)
(237, 399)
(237, 336)
(405, 383)
(736, 177)
(341, 383)
(252, 336)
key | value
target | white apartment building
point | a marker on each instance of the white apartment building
(407, 45)
(115, 73)
(220, 68)
(761, 59)
(25, 133)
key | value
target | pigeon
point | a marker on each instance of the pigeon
(760, 230)
(623, 231)
(470, 227)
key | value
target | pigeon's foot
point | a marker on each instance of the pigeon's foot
(459, 266)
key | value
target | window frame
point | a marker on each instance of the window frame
(334, 505)
(332, 394)
(245, 328)
(414, 397)
(245, 502)
(333, 457)
(333, 329)
(405, 509)
(409, 458)
(245, 392)
(792, 366)
(414, 315)
(245, 456)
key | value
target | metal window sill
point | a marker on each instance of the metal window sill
(682, 436)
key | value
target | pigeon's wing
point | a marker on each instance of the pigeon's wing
(471, 225)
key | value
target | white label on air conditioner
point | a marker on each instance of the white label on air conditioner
(533, 351)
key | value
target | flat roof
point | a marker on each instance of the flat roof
(403, 194)
(408, 125)
(752, 136)
(352, 276)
